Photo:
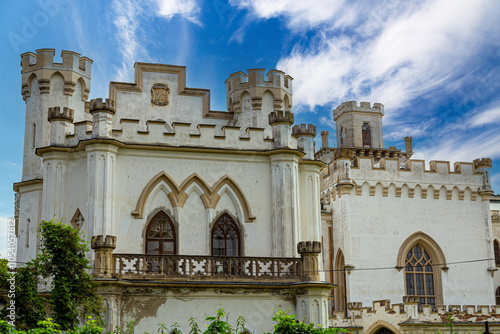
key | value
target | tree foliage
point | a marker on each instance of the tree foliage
(63, 258)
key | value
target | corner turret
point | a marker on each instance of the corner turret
(48, 84)
(252, 98)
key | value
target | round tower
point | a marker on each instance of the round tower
(252, 98)
(47, 84)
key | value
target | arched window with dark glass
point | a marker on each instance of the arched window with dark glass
(497, 296)
(225, 237)
(367, 135)
(419, 273)
(384, 330)
(160, 235)
(496, 248)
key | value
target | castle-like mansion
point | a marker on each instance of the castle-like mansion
(187, 208)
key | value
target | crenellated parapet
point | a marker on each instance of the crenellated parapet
(304, 130)
(41, 65)
(305, 134)
(382, 312)
(352, 106)
(388, 178)
(279, 116)
(60, 114)
(256, 84)
(98, 105)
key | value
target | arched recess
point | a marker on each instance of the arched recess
(150, 186)
(340, 280)
(382, 327)
(287, 106)
(178, 194)
(427, 248)
(57, 84)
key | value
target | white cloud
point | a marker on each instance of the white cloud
(188, 9)
(488, 116)
(389, 52)
(299, 13)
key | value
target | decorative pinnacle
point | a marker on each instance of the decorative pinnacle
(66, 115)
(100, 241)
(309, 247)
(279, 116)
(484, 162)
(304, 130)
(97, 105)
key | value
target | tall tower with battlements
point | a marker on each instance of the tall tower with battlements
(55, 93)
(48, 84)
(252, 98)
(359, 125)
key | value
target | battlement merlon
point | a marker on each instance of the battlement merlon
(42, 66)
(98, 105)
(57, 114)
(44, 58)
(255, 84)
(278, 116)
(350, 106)
(304, 130)
(100, 241)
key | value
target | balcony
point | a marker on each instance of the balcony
(195, 268)
(202, 268)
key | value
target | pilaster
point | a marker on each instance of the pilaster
(54, 184)
(284, 209)
(101, 166)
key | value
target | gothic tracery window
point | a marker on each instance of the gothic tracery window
(225, 237)
(160, 235)
(419, 275)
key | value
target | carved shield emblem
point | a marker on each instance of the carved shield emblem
(159, 94)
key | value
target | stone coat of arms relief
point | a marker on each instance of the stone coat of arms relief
(159, 94)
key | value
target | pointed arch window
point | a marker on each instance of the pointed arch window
(420, 275)
(226, 237)
(497, 296)
(160, 235)
(496, 247)
(367, 135)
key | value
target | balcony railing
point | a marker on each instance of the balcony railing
(193, 267)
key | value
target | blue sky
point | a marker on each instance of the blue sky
(434, 64)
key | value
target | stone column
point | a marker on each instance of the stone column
(281, 123)
(305, 134)
(324, 139)
(103, 247)
(309, 251)
(60, 124)
(102, 117)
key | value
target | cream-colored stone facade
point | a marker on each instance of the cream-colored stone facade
(251, 217)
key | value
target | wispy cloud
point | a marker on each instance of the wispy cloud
(188, 9)
(129, 15)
